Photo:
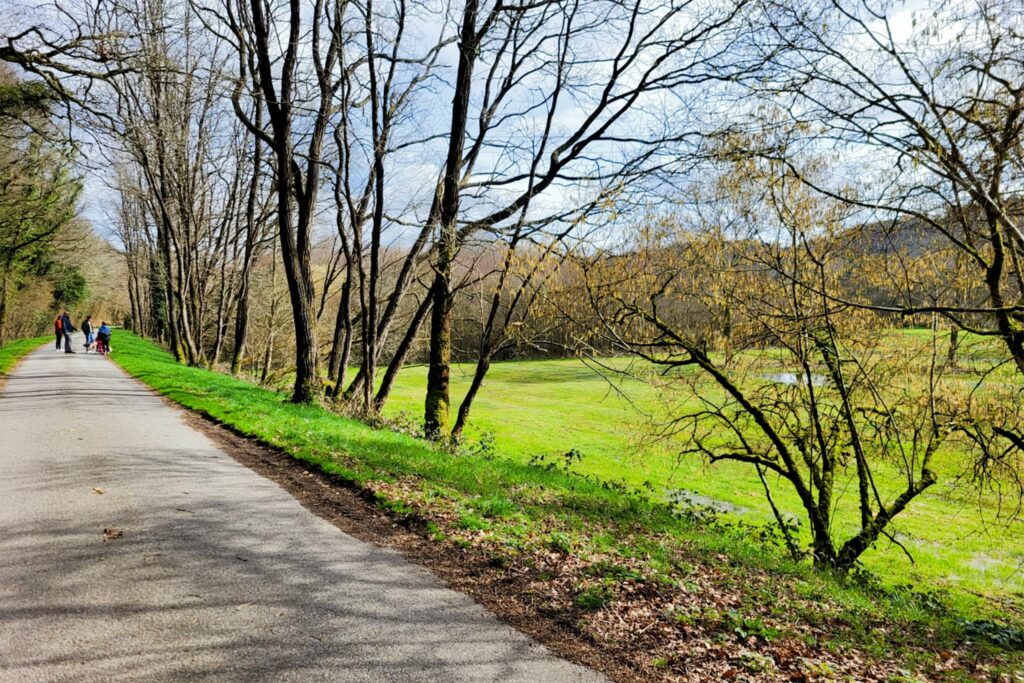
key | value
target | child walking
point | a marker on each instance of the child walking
(103, 339)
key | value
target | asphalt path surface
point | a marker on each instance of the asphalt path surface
(207, 571)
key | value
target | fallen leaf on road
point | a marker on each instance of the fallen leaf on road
(110, 533)
(98, 491)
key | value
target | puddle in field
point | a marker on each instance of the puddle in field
(793, 378)
(692, 499)
(982, 562)
(918, 543)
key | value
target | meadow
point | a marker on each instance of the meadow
(956, 539)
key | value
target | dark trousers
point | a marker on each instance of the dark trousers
(67, 343)
(60, 335)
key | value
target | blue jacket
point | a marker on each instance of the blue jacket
(65, 322)
(104, 331)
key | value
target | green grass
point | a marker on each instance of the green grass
(12, 352)
(521, 510)
(549, 407)
(360, 453)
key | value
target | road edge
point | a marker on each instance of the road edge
(18, 361)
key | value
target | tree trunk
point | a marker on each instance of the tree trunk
(241, 326)
(3, 304)
(295, 257)
(387, 382)
(167, 283)
(307, 379)
(341, 344)
(855, 547)
(482, 366)
(252, 235)
(821, 545)
(436, 406)
(954, 346)
(269, 351)
(225, 304)
(173, 335)
(296, 191)
(135, 300)
(300, 294)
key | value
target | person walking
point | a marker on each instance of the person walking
(90, 338)
(57, 330)
(67, 328)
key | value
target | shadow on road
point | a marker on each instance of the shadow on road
(219, 573)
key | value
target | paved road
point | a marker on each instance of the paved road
(219, 574)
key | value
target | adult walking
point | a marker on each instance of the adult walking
(67, 328)
(87, 331)
(57, 330)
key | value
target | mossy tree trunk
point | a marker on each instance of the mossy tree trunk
(436, 406)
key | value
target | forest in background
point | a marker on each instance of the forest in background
(50, 257)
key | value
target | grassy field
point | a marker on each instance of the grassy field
(549, 407)
(12, 352)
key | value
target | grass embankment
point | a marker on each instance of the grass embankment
(12, 352)
(668, 594)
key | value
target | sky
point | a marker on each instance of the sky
(413, 173)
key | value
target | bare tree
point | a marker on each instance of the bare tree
(532, 62)
(257, 213)
(379, 70)
(131, 226)
(163, 119)
(808, 392)
(269, 43)
(934, 102)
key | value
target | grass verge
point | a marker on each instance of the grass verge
(671, 594)
(14, 351)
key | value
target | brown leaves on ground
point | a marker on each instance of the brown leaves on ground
(708, 621)
(111, 533)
